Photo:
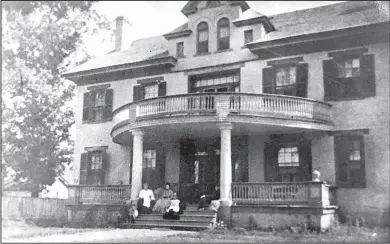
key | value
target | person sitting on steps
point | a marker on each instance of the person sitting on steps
(173, 210)
(145, 200)
(205, 200)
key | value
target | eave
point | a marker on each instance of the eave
(268, 26)
(184, 33)
(315, 42)
(145, 65)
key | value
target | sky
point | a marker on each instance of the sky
(153, 18)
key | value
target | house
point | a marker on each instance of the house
(251, 102)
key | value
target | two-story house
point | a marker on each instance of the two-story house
(251, 102)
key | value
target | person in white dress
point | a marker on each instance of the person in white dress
(173, 209)
(145, 198)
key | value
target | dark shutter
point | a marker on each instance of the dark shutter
(302, 78)
(271, 162)
(104, 167)
(367, 74)
(330, 78)
(137, 93)
(342, 160)
(268, 80)
(83, 168)
(86, 105)
(162, 89)
(108, 103)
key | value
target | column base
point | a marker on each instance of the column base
(224, 212)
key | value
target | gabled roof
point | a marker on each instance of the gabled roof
(250, 17)
(322, 19)
(192, 6)
(180, 31)
(140, 50)
(249, 14)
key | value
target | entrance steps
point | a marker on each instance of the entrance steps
(191, 219)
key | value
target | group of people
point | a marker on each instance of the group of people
(167, 203)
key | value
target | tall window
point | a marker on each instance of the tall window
(288, 157)
(149, 166)
(285, 80)
(203, 38)
(92, 167)
(180, 49)
(151, 91)
(248, 36)
(350, 160)
(97, 105)
(223, 34)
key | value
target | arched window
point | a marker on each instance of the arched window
(223, 34)
(203, 38)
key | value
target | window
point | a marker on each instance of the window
(97, 105)
(288, 157)
(349, 151)
(349, 75)
(150, 88)
(180, 49)
(149, 167)
(223, 34)
(149, 159)
(92, 166)
(348, 68)
(248, 36)
(286, 79)
(151, 91)
(203, 38)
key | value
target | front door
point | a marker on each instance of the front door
(288, 160)
(199, 169)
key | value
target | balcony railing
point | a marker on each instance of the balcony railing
(89, 194)
(251, 104)
(282, 193)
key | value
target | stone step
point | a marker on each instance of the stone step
(165, 226)
(168, 222)
(182, 217)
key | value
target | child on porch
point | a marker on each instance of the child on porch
(133, 214)
(173, 211)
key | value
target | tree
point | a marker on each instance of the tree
(41, 40)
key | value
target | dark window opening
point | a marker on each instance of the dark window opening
(223, 34)
(248, 36)
(180, 49)
(203, 38)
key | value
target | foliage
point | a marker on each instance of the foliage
(41, 39)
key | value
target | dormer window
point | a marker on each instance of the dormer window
(223, 34)
(203, 38)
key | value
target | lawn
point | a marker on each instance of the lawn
(22, 232)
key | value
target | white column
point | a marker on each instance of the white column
(136, 175)
(226, 162)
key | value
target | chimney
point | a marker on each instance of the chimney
(122, 33)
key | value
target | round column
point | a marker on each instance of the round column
(136, 176)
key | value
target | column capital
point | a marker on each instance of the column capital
(225, 126)
(137, 132)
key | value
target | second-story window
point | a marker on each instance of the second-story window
(151, 91)
(97, 105)
(180, 49)
(348, 67)
(223, 34)
(285, 80)
(203, 38)
(248, 36)
(150, 88)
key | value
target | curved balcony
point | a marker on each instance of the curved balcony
(218, 107)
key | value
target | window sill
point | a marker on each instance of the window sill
(224, 50)
(202, 54)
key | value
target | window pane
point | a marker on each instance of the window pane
(151, 91)
(203, 36)
(224, 32)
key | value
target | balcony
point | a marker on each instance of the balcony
(98, 194)
(218, 107)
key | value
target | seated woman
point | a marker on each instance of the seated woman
(205, 200)
(173, 210)
(145, 199)
(164, 199)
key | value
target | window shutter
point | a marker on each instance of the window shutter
(342, 160)
(83, 168)
(268, 80)
(104, 167)
(367, 74)
(302, 79)
(162, 89)
(86, 106)
(138, 92)
(330, 78)
(108, 103)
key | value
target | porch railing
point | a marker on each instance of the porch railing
(88, 194)
(252, 104)
(282, 193)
